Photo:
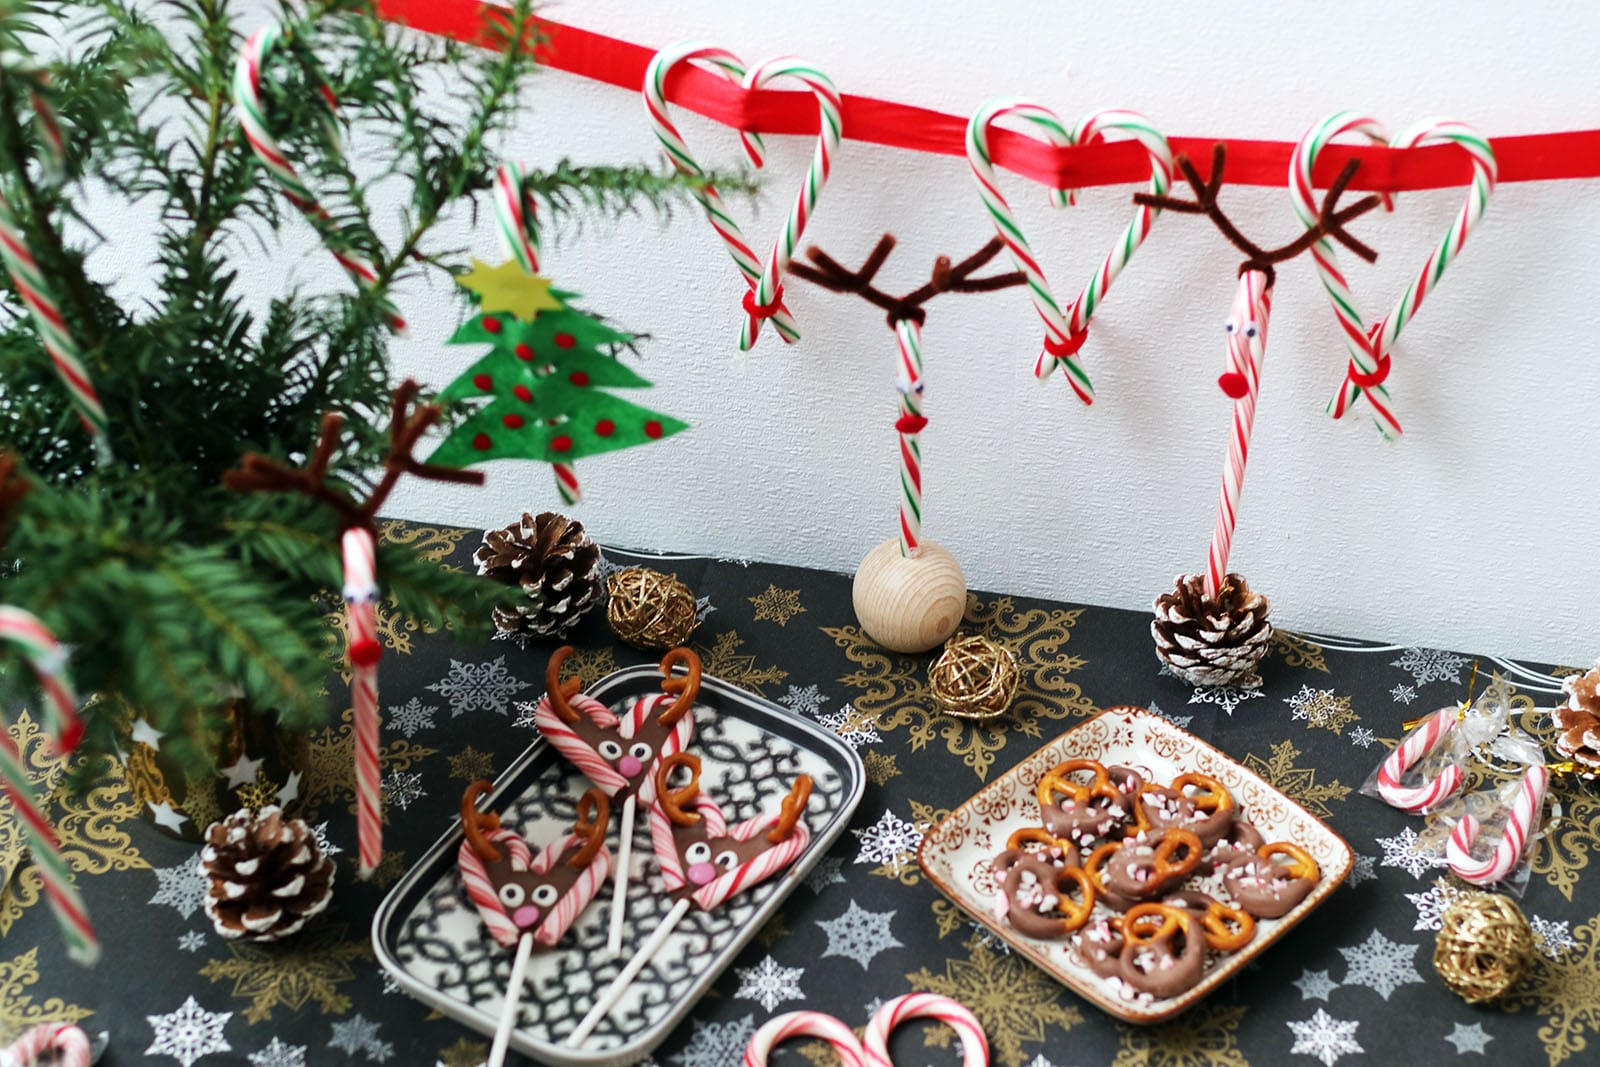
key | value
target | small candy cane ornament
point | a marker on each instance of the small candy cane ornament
(49, 1045)
(365, 650)
(1523, 820)
(1247, 347)
(875, 1042)
(49, 662)
(781, 1028)
(910, 425)
(730, 67)
(65, 901)
(1417, 744)
(250, 105)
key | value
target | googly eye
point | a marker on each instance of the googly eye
(641, 752)
(728, 859)
(1230, 326)
(610, 750)
(1251, 330)
(544, 895)
(511, 895)
(699, 852)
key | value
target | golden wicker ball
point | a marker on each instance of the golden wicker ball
(1485, 946)
(650, 610)
(975, 678)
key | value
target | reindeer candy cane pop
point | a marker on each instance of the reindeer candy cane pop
(620, 753)
(704, 861)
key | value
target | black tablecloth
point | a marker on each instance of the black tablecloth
(1354, 983)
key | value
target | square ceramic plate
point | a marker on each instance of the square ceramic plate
(956, 854)
(428, 935)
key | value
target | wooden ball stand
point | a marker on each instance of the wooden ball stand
(909, 605)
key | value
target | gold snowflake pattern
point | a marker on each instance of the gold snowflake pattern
(200, 801)
(1013, 999)
(895, 691)
(1322, 710)
(330, 766)
(948, 917)
(389, 869)
(1299, 651)
(1201, 1038)
(1299, 783)
(779, 605)
(590, 664)
(820, 1053)
(469, 765)
(774, 931)
(292, 973)
(464, 1053)
(88, 825)
(880, 767)
(724, 660)
(395, 629)
(430, 543)
(1567, 992)
(258, 794)
(18, 1012)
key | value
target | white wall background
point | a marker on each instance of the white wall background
(1472, 532)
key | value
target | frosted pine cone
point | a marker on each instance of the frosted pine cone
(1212, 642)
(1578, 720)
(555, 562)
(268, 876)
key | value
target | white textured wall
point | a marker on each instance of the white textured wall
(1473, 532)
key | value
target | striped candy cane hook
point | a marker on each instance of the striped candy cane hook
(954, 1014)
(1522, 821)
(364, 650)
(910, 425)
(48, 658)
(65, 901)
(1413, 747)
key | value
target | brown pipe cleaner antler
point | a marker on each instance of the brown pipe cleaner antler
(946, 278)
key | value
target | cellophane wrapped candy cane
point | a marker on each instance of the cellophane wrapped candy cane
(1414, 747)
(364, 650)
(974, 1043)
(1521, 823)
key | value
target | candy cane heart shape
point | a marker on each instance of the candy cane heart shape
(1520, 825)
(974, 1043)
(1412, 748)
(781, 1028)
(729, 66)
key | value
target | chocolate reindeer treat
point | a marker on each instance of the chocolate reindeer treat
(1036, 895)
(1272, 880)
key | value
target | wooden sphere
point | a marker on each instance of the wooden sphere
(909, 605)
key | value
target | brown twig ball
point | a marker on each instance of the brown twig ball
(650, 610)
(975, 678)
(1485, 946)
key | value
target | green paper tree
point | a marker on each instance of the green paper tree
(545, 378)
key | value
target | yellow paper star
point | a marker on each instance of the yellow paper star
(509, 288)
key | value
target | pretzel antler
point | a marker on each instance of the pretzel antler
(477, 824)
(675, 801)
(1330, 223)
(686, 688)
(945, 278)
(794, 806)
(259, 473)
(561, 692)
(594, 818)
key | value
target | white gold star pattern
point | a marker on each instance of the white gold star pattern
(360, 1034)
(145, 734)
(243, 771)
(277, 1054)
(193, 941)
(1315, 985)
(1554, 939)
(165, 815)
(803, 700)
(1468, 1038)
(1431, 665)
(1324, 1038)
(189, 1033)
(1363, 737)
(1381, 965)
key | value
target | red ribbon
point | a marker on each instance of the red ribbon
(763, 311)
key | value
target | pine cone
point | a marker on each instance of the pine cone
(268, 874)
(1212, 642)
(1578, 721)
(555, 562)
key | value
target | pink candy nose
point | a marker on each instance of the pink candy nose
(702, 873)
(526, 917)
(629, 766)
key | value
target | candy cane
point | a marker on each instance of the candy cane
(480, 889)
(875, 1042)
(573, 748)
(768, 294)
(910, 425)
(71, 916)
(1418, 743)
(250, 104)
(1247, 346)
(817, 1024)
(52, 1044)
(728, 66)
(49, 662)
(1522, 821)
(1060, 346)
(364, 650)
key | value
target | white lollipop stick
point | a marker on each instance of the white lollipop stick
(1524, 819)
(619, 877)
(619, 985)
(508, 1014)
(1418, 743)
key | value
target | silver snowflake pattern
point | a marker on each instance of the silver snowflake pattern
(400, 788)
(193, 941)
(1403, 694)
(703, 608)
(1315, 985)
(1468, 1038)
(1039, 1061)
(525, 710)
(1322, 1037)
(278, 1054)
(1381, 965)
(1180, 721)
(1321, 708)
(716, 1044)
(824, 874)
(859, 934)
(1362, 871)
(768, 984)
(320, 831)
(890, 842)
(1431, 665)
(1363, 737)
(1552, 938)
(411, 716)
(1431, 905)
(189, 1033)
(1402, 851)
(358, 1034)
(478, 687)
(184, 886)
(803, 699)
(856, 735)
(1226, 697)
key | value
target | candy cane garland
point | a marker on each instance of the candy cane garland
(250, 105)
(65, 901)
(974, 1043)
(781, 1028)
(364, 650)
(1520, 824)
(1413, 747)
(728, 66)
(52, 1044)
(48, 659)
(910, 425)
(768, 294)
